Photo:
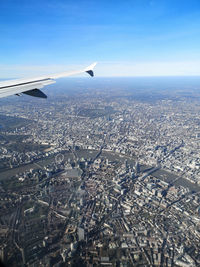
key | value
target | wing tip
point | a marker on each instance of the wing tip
(90, 68)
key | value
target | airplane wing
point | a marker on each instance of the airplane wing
(32, 86)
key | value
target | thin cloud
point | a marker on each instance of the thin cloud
(108, 69)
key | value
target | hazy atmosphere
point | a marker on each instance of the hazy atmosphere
(127, 38)
(101, 167)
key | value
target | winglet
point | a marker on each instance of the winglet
(90, 68)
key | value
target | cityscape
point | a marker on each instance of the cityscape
(103, 172)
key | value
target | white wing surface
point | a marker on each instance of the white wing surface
(32, 86)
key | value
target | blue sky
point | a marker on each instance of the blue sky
(127, 38)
